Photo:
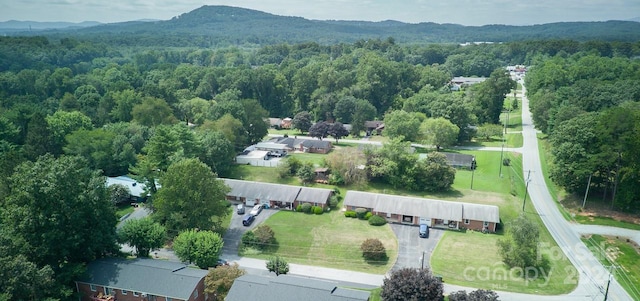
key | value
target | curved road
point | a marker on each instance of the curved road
(592, 275)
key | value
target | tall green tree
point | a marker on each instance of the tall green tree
(403, 124)
(143, 234)
(302, 121)
(216, 151)
(51, 199)
(200, 247)
(489, 95)
(519, 247)
(152, 112)
(191, 197)
(439, 132)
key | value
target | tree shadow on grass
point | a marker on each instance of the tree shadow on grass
(381, 261)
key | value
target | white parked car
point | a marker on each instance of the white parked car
(256, 210)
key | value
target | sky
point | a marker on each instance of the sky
(465, 12)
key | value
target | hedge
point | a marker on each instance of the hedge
(377, 220)
(317, 210)
(361, 212)
(350, 213)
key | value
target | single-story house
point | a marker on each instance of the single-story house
(275, 123)
(304, 145)
(291, 288)
(467, 81)
(276, 195)
(456, 160)
(372, 125)
(140, 279)
(286, 123)
(435, 213)
(273, 147)
(136, 189)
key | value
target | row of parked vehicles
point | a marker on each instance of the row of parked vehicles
(248, 220)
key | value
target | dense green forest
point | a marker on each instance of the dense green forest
(73, 110)
(222, 26)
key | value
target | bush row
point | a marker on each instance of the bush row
(308, 208)
(374, 220)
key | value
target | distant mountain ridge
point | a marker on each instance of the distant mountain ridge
(225, 25)
(14, 24)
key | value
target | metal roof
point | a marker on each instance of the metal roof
(287, 287)
(150, 276)
(135, 188)
(415, 206)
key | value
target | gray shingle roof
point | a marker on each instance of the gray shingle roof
(415, 206)
(286, 287)
(262, 191)
(154, 277)
(314, 195)
(277, 192)
(478, 212)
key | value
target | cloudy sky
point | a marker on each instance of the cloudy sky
(465, 12)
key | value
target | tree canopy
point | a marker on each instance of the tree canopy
(191, 197)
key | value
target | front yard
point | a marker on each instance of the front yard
(329, 240)
(472, 259)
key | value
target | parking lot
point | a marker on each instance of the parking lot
(234, 234)
(411, 246)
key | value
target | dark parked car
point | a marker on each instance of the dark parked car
(424, 231)
(247, 220)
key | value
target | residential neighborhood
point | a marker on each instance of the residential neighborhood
(227, 153)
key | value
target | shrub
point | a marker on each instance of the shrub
(249, 239)
(361, 212)
(306, 208)
(377, 220)
(264, 236)
(333, 201)
(373, 249)
(335, 179)
(299, 208)
(368, 215)
(317, 210)
(350, 213)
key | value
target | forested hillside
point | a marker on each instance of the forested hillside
(216, 26)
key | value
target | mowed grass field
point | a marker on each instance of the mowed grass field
(329, 240)
(482, 267)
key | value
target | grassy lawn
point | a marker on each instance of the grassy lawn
(453, 260)
(316, 159)
(329, 240)
(619, 252)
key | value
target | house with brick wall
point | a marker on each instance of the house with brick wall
(435, 213)
(119, 279)
(272, 195)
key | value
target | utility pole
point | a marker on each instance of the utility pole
(606, 292)
(584, 201)
(473, 169)
(526, 190)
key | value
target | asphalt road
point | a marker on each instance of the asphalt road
(412, 248)
(592, 275)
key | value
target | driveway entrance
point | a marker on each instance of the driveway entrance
(412, 248)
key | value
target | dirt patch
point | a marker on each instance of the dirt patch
(597, 209)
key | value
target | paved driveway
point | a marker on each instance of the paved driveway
(233, 236)
(411, 246)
